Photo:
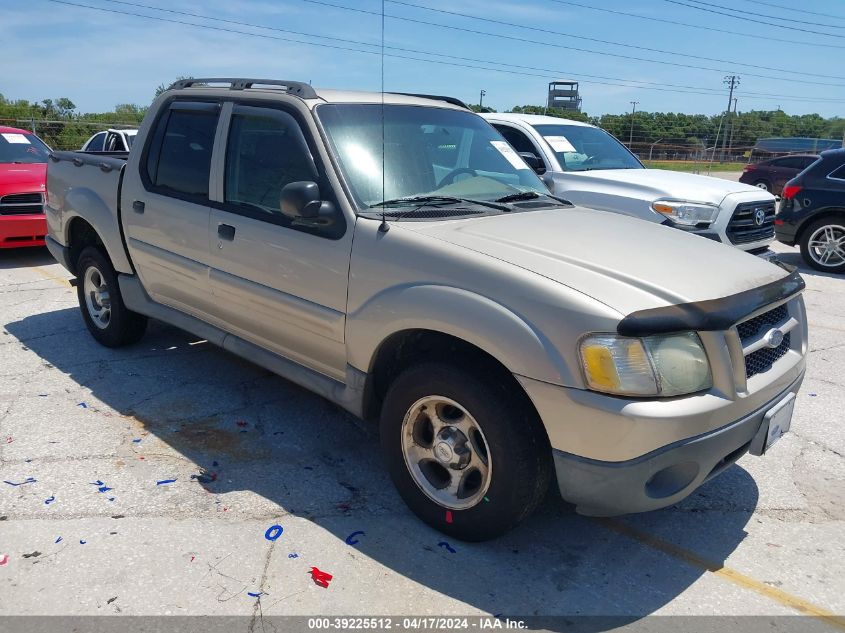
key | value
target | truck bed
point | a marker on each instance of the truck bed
(87, 185)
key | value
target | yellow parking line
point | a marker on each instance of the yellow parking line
(731, 575)
(48, 275)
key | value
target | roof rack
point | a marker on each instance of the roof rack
(451, 100)
(298, 88)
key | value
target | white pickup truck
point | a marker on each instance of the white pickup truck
(589, 167)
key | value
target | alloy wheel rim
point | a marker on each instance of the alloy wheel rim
(446, 452)
(97, 299)
(826, 245)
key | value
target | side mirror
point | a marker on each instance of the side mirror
(533, 162)
(300, 201)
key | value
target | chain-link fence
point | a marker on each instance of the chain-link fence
(66, 134)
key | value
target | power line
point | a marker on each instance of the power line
(697, 26)
(780, 6)
(574, 48)
(600, 41)
(790, 27)
(765, 15)
(628, 82)
(498, 68)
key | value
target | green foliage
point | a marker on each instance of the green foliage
(478, 108)
(555, 112)
(58, 123)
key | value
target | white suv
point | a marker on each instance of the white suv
(589, 167)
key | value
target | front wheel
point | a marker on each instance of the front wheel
(469, 458)
(823, 245)
(108, 320)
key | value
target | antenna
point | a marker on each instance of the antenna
(384, 227)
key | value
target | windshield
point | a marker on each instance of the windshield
(17, 147)
(427, 151)
(582, 148)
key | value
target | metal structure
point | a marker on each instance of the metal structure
(564, 96)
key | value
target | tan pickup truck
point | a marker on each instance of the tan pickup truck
(394, 254)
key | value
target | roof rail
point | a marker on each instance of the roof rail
(451, 100)
(298, 88)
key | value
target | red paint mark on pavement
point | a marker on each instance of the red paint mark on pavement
(4, 558)
(321, 578)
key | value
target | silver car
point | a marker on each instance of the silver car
(394, 254)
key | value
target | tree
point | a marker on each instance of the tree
(163, 87)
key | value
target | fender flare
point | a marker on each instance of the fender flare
(492, 327)
(102, 219)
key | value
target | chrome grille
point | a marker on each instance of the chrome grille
(762, 360)
(744, 227)
(22, 203)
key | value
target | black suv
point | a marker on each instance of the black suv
(812, 212)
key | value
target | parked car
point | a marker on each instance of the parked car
(812, 213)
(110, 141)
(392, 253)
(589, 167)
(772, 174)
(23, 158)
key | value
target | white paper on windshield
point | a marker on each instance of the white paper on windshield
(560, 143)
(16, 138)
(510, 154)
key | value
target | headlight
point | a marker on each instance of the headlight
(686, 213)
(666, 365)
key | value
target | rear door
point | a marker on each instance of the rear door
(166, 210)
(280, 286)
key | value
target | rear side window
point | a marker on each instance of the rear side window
(838, 173)
(180, 156)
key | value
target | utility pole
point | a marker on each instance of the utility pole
(733, 125)
(481, 99)
(732, 81)
(633, 112)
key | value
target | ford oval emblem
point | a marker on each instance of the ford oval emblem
(773, 338)
(759, 216)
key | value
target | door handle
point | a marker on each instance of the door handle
(226, 232)
(138, 206)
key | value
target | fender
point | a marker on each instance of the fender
(103, 219)
(476, 319)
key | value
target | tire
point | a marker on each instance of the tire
(814, 241)
(764, 184)
(518, 455)
(110, 322)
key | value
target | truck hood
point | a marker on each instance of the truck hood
(652, 184)
(620, 261)
(22, 178)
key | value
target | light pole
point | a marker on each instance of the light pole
(633, 112)
(481, 99)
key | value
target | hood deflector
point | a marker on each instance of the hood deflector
(712, 314)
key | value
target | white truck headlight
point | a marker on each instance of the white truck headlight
(664, 365)
(686, 213)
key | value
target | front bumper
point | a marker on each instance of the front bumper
(662, 477)
(17, 231)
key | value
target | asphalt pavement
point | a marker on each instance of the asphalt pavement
(148, 481)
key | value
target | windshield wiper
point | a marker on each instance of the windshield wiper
(424, 201)
(521, 195)
(529, 195)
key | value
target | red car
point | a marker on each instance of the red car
(773, 173)
(23, 171)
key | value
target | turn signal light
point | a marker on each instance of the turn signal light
(790, 191)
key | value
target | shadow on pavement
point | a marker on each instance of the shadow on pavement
(11, 258)
(315, 461)
(793, 258)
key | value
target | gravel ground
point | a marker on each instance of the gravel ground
(159, 468)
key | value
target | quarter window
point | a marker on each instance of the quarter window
(838, 173)
(265, 152)
(184, 159)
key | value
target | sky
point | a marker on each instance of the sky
(97, 58)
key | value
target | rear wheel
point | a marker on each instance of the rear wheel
(823, 245)
(108, 320)
(466, 456)
(765, 185)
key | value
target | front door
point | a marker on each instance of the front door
(276, 284)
